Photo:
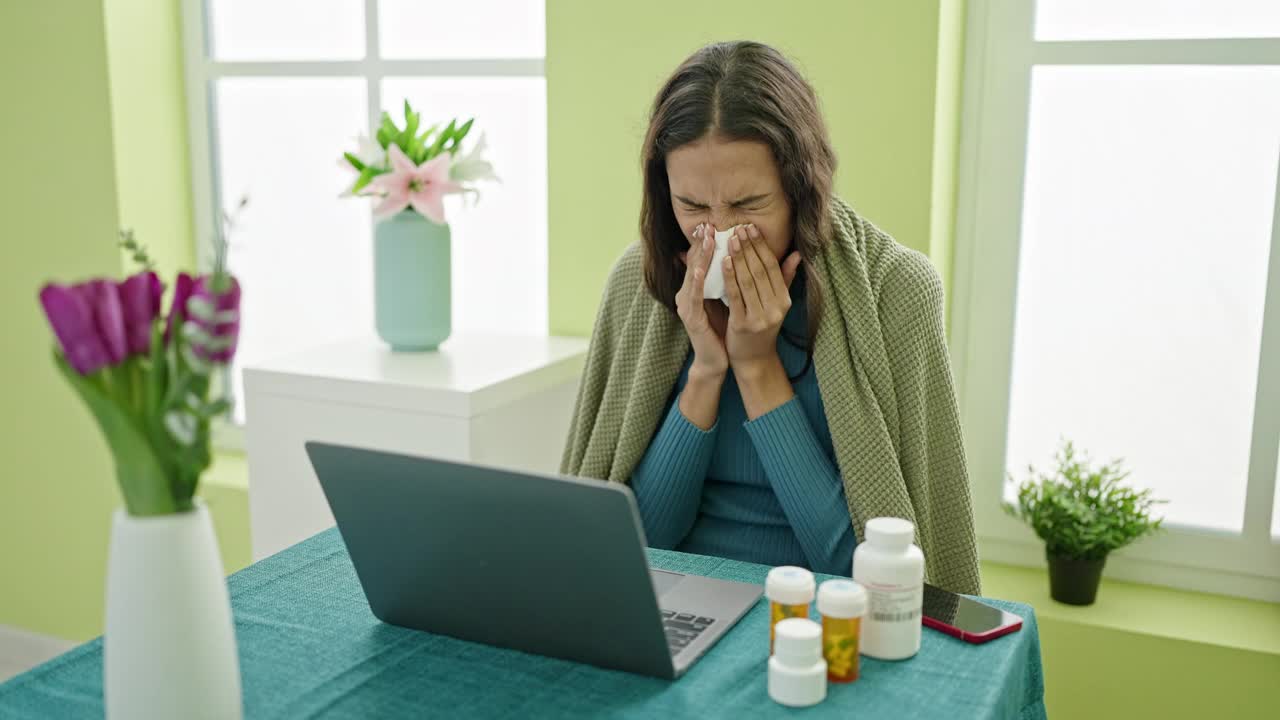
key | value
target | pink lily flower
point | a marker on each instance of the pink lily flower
(421, 187)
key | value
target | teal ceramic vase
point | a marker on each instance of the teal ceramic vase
(412, 283)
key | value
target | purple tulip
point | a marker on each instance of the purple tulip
(108, 316)
(140, 302)
(178, 308)
(218, 315)
(71, 317)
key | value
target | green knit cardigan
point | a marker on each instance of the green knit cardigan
(883, 371)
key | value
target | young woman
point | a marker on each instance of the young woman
(771, 426)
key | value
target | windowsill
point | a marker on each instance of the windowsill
(228, 436)
(1217, 620)
(230, 469)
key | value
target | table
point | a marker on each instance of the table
(497, 400)
(310, 648)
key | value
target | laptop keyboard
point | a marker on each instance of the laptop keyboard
(683, 628)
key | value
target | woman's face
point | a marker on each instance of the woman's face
(727, 183)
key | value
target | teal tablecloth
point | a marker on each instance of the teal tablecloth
(309, 648)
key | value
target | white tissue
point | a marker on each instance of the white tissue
(713, 287)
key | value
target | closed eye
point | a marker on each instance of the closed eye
(691, 204)
(754, 202)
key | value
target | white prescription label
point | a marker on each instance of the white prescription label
(895, 603)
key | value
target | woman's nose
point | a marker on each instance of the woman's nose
(722, 220)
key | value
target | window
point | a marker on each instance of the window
(1117, 275)
(278, 89)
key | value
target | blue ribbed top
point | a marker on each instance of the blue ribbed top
(765, 491)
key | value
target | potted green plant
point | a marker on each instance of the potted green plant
(1082, 513)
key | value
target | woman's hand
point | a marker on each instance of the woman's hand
(700, 399)
(710, 358)
(759, 292)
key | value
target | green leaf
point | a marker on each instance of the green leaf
(408, 134)
(138, 251)
(387, 131)
(189, 461)
(440, 141)
(158, 370)
(208, 411)
(423, 141)
(459, 135)
(416, 150)
(410, 128)
(355, 161)
(183, 382)
(142, 478)
(366, 176)
(388, 126)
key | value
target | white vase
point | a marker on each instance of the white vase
(170, 647)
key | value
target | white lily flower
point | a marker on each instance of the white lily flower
(369, 152)
(472, 167)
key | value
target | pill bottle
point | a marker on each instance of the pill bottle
(797, 672)
(842, 603)
(891, 569)
(790, 591)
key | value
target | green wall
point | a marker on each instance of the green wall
(149, 127)
(94, 136)
(60, 216)
(946, 137)
(880, 68)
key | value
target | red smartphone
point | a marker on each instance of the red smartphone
(969, 620)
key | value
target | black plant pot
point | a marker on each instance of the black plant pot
(1074, 582)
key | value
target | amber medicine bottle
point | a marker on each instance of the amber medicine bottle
(842, 604)
(790, 591)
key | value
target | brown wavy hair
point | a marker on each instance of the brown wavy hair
(743, 91)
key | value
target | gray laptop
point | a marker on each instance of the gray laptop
(548, 565)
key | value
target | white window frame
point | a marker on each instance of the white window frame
(1001, 51)
(203, 72)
